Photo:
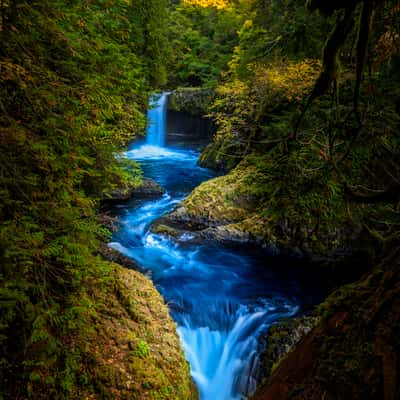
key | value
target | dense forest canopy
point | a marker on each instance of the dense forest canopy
(306, 102)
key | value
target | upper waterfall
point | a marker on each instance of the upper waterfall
(156, 120)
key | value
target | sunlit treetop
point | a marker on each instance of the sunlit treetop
(208, 3)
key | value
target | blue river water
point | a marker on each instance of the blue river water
(221, 298)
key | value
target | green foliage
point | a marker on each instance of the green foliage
(257, 112)
(203, 39)
(147, 33)
(276, 29)
(142, 349)
(337, 170)
(73, 89)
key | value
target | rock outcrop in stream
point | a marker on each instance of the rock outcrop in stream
(229, 209)
(147, 189)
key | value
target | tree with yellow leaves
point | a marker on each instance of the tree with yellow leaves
(208, 3)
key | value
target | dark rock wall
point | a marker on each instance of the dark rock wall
(354, 352)
(183, 127)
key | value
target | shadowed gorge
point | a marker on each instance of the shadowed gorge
(199, 199)
(221, 299)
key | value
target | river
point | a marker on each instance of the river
(221, 298)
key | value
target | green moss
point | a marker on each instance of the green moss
(164, 229)
(142, 349)
(137, 358)
(261, 197)
(219, 200)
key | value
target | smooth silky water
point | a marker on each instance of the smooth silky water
(220, 298)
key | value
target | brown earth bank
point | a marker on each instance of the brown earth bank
(354, 351)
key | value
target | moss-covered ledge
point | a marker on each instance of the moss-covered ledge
(239, 207)
(195, 101)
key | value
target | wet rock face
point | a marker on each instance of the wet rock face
(187, 118)
(195, 232)
(114, 256)
(227, 234)
(182, 217)
(200, 228)
(279, 340)
(108, 221)
(185, 128)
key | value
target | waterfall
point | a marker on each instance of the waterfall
(156, 117)
(220, 298)
(222, 352)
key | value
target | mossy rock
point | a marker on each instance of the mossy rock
(146, 188)
(251, 202)
(194, 101)
(223, 209)
(135, 351)
(165, 230)
(279, 340)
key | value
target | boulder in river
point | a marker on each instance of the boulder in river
(227, 209)
(147, 189)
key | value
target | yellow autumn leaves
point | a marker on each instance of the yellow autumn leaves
(208, 3)
(293, 79)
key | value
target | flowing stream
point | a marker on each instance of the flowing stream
(221, 298)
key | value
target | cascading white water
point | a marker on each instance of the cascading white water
(224, 359)
(156, 119)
